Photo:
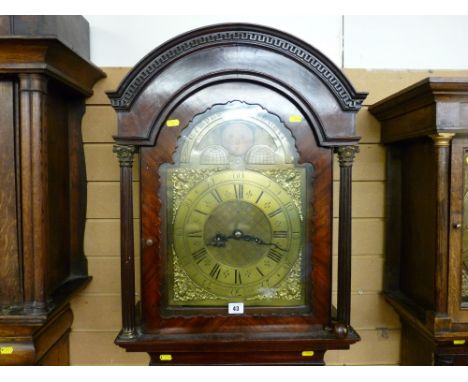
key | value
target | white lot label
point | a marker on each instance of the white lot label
(236, 308)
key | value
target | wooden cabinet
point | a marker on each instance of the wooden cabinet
(425, 128)
(45, 75)
(236, 126)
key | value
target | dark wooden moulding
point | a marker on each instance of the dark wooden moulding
(45, 76)
(182, 78)
(425, 128)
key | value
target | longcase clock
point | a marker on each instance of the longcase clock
(236, 126)
(425, 128)
(45, 76)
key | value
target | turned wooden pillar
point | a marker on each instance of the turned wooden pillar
(346, 156)
(125, 156)
(442, 165)
(34, 179)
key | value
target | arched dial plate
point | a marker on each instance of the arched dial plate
(236, 202)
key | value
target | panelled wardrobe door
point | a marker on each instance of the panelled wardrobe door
(43, 85)
(425, 127)
(236, 126)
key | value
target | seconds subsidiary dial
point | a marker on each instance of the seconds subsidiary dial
(237, 234)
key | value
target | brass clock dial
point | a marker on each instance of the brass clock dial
(236, 205)
(237, 234)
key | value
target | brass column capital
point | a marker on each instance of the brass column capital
(346, 154)
(124, 154)
(442, 139)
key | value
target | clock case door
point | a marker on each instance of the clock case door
(288, 78)
(458, 260)
(316, 279)
(234, 213)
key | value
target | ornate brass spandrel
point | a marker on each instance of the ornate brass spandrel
(182, 180)
(292, 181)
(185, 291)
(290, 289)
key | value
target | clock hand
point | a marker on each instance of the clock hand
(239, 235)
(221, 239)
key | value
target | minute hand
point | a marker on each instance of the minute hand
(239, 235)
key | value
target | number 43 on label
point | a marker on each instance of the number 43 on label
(236, 308)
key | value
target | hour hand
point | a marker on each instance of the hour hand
(219, 240)
(239, 235)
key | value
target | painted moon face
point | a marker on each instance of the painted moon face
(237, 138)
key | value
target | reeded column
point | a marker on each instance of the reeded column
(34, 185)
(442, 176)
(125, 155)
(346, 156)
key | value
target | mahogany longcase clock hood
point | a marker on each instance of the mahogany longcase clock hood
(236, 125)
(236, 52)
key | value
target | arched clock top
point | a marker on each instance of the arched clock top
(235, 53)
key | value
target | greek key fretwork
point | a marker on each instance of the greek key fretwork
(294, 51)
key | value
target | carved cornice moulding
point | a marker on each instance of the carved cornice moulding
(50, 57)
(233, 35)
